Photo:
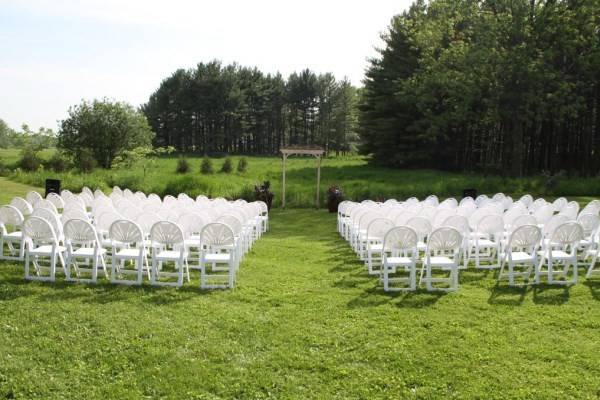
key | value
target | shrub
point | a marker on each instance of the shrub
(227, 166)
(58, 162)
(242, 165)
(206, 167)
(86, 161)
(183, 166)
(30, 161)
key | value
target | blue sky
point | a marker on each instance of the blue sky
(55, 53)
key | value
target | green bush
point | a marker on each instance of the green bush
(206, 167)
(86, 161)
(30, 161)
(59, 162)
(183, 166)
(227, 166)
(242, 165)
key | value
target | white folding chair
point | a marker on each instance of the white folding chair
(127, 246)
(218, 248)
(520, 253)
(374, 239)
(400, 256)
(11, 235)
(443, 253)
(41, 243)
(168, 247)
(22, 205)
(487, 244)
(83, 244)
(559, 254)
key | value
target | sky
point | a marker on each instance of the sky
(54, 53)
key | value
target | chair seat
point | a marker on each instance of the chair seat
(87, 252)
(45, 250)
(13, 236)
(556, 254)
(440, 261)
(520, 256)
(376, 247)
(128, 253)
(169, 255)
(192, 242)
(486, 243)
(214, 257)
(421, 246)
(398, 261)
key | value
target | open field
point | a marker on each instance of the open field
(305, 322)
(353, 174)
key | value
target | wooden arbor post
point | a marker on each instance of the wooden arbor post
(313, 151)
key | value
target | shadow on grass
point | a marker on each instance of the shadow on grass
(508, 295)
(594, 286)
(376, 296)
(550, 294)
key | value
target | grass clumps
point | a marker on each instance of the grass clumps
(183, 166)
(242, 166)
(227, 166)
(206, 168)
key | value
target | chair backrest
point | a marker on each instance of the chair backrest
(232, 221)
(378, 228)
(491, 225)
(458, 222)
(217, 234)
(559, 204)
(525, 237)
(51, 217)
(444, 239)
(521, 220)
(544, 213)
(589, 223)
(33, 197)
(39, 230)
(400, 238)
(402, 218)
(106, 219)
(22, 205)
(73, 214)
(126, 232)
(570, 210)
(421, 225)
(146, 220)
(56, 200)
(47, 205)
(554, 223)
(10, 215)
(79, 231)
(191, 223)
(567, 234)
(441, 216)
(526, 199)
(166, 233)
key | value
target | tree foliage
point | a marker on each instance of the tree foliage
(507, 86)
(103, 129)
(232, 109)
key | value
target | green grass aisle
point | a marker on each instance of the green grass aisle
(305, 321)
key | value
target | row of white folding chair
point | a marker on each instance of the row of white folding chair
(83, 243)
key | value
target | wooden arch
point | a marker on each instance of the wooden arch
(302, 151)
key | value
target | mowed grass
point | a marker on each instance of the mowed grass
(305, 321)
(358, 179)
(10, 189)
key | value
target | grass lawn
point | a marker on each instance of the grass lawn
(10, 189)
(305, 321)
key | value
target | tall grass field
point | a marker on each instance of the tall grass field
(357, 178)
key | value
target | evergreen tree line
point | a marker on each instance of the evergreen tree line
(504, 86)
(232, 109)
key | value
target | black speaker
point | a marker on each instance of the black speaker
(52, 186)
(469, 193)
